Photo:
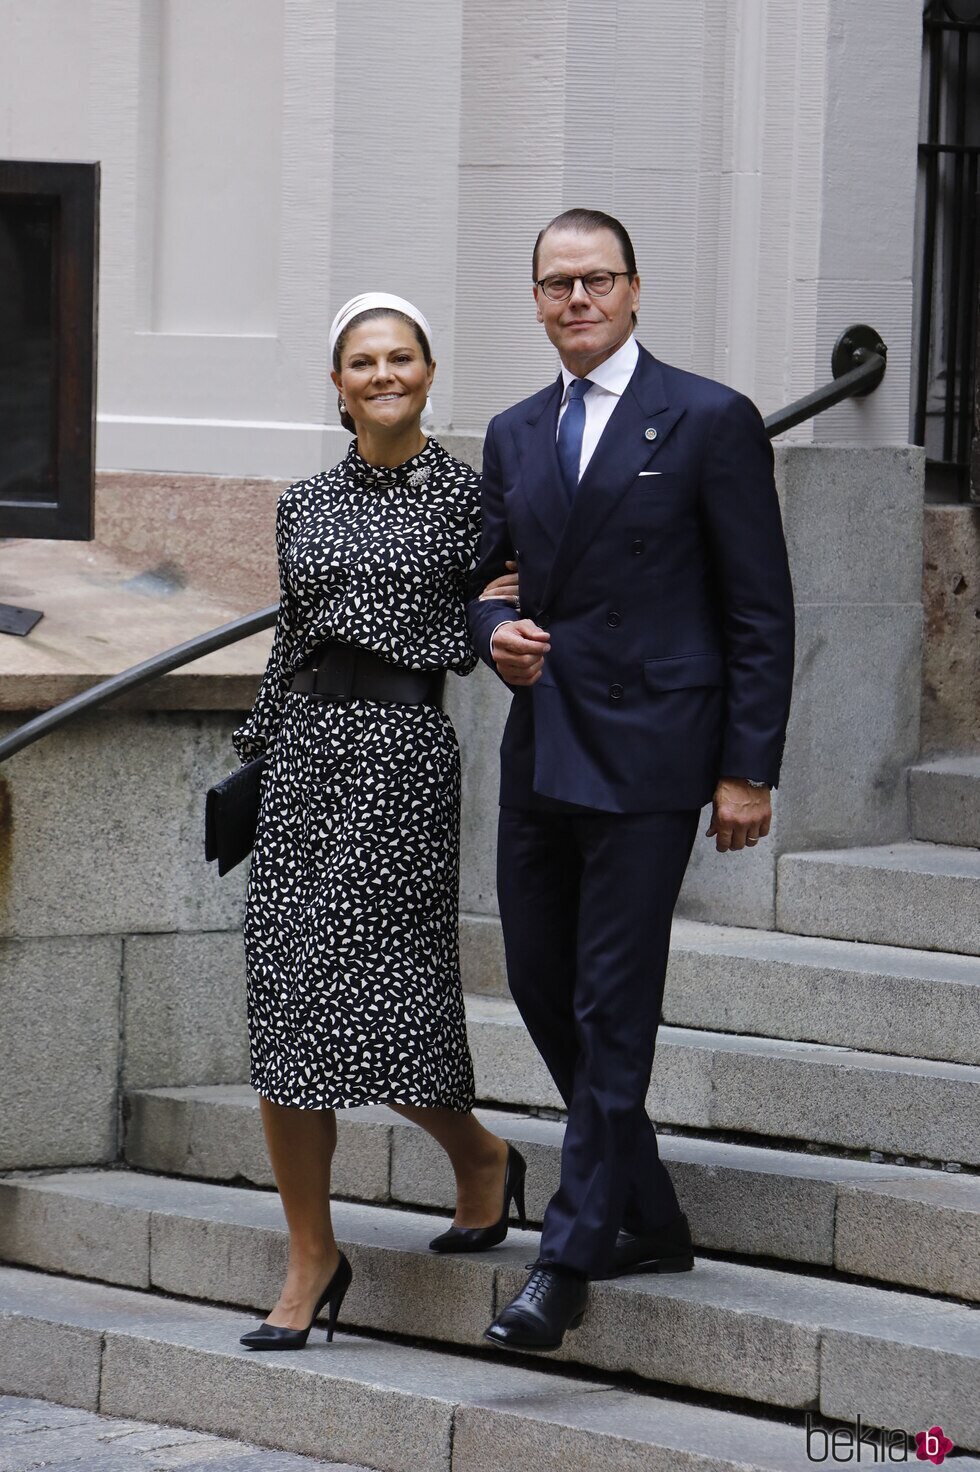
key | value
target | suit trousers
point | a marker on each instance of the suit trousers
(586, 900)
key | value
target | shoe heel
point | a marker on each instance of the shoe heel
(517, 1196)
(344, 1275)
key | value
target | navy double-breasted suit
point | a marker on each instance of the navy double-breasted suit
(664, 585)
(665, 589)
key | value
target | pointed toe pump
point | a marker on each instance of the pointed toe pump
(271, 1336)
(477, 1239)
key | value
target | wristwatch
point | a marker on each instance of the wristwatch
(757, 784)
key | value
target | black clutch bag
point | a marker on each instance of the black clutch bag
(231, 813)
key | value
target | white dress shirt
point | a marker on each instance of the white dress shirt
(608, 381)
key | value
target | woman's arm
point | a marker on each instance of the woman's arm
(258, 731)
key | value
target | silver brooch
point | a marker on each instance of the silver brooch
(419, 476)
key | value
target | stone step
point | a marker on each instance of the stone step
(761, 1086)
(397, 1408)
(881, 999)
(944, 800)
(849, 1215)
(749, 1333)
(922, 895)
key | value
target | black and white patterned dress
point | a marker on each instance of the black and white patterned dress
(351, 938)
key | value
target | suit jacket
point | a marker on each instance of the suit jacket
(664, 585)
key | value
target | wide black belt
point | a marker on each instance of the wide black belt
(344, 672)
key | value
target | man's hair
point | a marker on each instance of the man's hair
(584, 222)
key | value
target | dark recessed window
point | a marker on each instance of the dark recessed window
(48, 265)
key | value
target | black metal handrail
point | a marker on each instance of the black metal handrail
(138, 674)
(858, 364)
(945, 384)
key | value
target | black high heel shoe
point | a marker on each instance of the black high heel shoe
(476, 1239)
(271, 1336)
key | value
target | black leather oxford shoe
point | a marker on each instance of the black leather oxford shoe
(551, 1302)
(667, 1250)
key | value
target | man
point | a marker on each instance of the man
(651, 666)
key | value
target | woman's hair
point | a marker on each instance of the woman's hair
(371, 315)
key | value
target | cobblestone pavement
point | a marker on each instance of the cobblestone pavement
(35, 1433)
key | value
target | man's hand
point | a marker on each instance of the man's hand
(741, 814)
(519, 650)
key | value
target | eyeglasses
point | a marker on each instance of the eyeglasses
(597, 283)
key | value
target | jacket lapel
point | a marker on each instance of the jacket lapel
(624, 449)
(541, 478)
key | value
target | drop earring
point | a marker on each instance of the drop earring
(343, 404)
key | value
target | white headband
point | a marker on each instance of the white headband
(367, 302)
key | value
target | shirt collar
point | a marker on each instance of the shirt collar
(614, 373)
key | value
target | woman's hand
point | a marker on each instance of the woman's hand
(505, 587)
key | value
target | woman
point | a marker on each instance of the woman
(350, 926)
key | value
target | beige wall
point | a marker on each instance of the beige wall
(263, 161)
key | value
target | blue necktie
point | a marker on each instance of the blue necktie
(570, 432)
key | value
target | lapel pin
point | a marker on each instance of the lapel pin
(650, 434)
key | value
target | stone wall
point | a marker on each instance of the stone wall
(120, 948)
(951, 652)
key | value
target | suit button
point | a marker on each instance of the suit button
(615, 692)
(614, 619)
(638, 547)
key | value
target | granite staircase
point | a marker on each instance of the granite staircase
(819, 1091)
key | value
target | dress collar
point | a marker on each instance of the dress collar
(414, 472)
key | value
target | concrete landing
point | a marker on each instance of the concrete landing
(104, 611)
(37, 1433)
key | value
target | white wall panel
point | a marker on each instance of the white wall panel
(707, 338)
(883, 417)
(181, 382)
(264, 159)
(308, 157)
(871, 129)
(219, 120)
(45, 79)
(396, 170)
(513, 83)
(656, 88)
(502, 353)
(512, 154)
(660, 210)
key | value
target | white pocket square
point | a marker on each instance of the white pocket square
(651, 472)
